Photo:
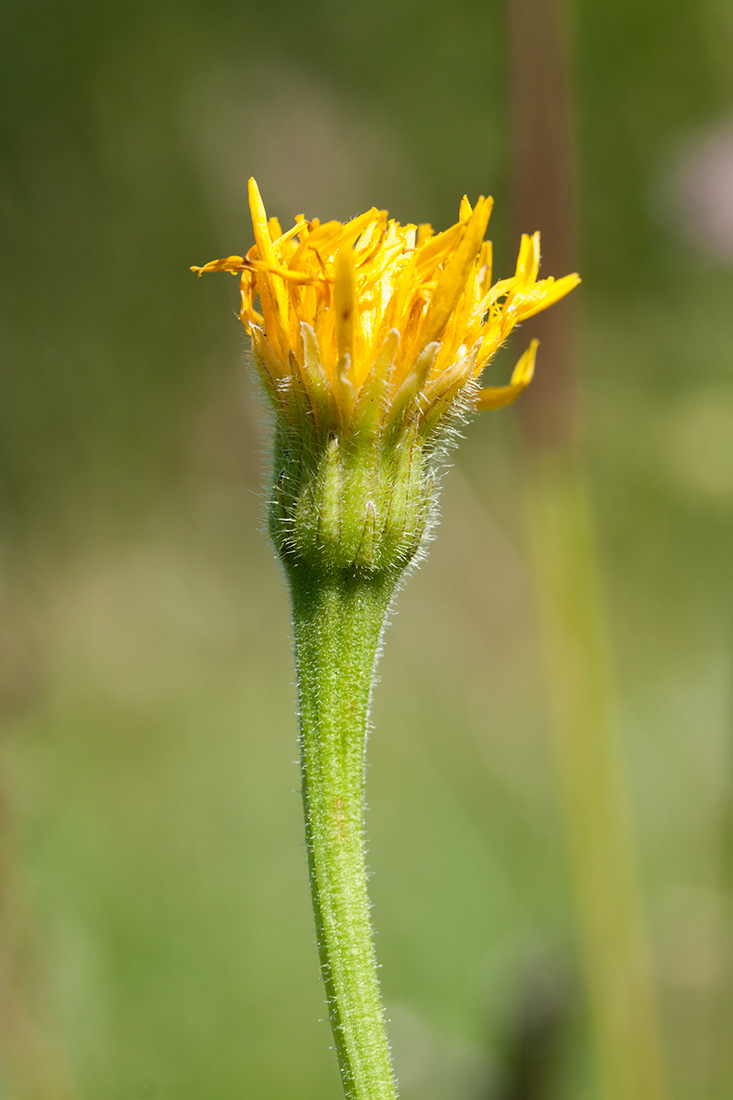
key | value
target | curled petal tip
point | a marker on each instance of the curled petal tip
(497, 397)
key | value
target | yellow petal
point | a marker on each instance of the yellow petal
(304, 278)
(424, 233)
(353, 229)
(435, 247)
(259, 222)
(273, 298)
(294, 230)
(528, 261)
(545, 294)
(452, 281)
(496, 397)
(230, 263)
(485, 263)
(264, 243)
(344, 302)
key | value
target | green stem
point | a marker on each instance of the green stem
(338, 623)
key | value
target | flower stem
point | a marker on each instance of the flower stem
(338, 621)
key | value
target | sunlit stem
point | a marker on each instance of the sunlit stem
(338, 621)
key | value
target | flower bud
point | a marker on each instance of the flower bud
(370, 338)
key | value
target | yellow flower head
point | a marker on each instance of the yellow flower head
(373, 322)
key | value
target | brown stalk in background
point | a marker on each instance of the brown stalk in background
(573, 632)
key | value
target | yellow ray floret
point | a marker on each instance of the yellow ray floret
(376, 320)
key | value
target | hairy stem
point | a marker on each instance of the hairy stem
(338, 621)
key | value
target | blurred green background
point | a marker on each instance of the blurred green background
(157, 940)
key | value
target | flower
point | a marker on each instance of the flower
(369, 323)
(370, 337)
